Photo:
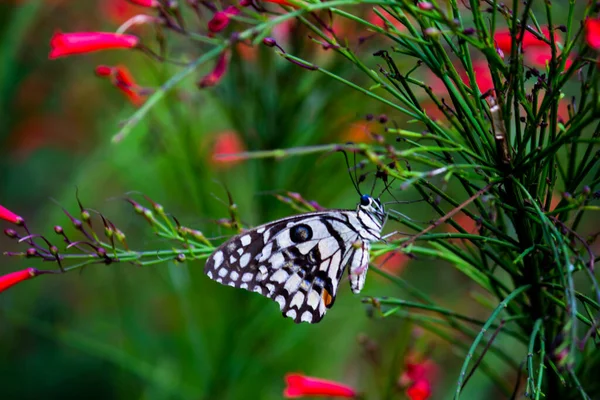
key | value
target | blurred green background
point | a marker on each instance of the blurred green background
(166, 331)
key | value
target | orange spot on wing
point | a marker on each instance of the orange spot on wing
(327, 298)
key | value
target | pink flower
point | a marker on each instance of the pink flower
(122, 80)
(221, 19)
(65, 44)
(592, 32)
(305, 386)
(227, 144)
(217, 73)
(10, 216)
(9, 280)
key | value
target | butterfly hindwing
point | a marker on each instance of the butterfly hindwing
(298, 261)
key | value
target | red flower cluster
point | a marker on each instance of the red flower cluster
(66, 44)
(122, 80)
(306, 386)
(537, 52)
(417, 379)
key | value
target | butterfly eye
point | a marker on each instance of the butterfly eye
(365, 200)
(300, 233)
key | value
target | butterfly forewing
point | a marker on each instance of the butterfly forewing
(297, 261)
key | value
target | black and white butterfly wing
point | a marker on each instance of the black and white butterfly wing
(298, 261)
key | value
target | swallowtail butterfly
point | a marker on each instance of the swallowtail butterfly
(298, 261)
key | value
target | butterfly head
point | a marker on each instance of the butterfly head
(372, 206)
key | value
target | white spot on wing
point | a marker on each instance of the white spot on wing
(247, 277)
(279, 276)
(244, 286)
(327, 247)
(246, 239)
(313, 299)
(244, 260)
(306, 316)
(291, 314)
(234, 276)
(292, 283)
(209, 274)
(305, 247)
(270, 288)
(277, 260)
(222, 272)
(232, 260)
(266, 252)
(281, 300)
(257, 289)
(297, 300)
(240, 251)
(218, 259)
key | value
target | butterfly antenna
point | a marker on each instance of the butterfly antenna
(356, 176)
(353, 179)
(387, 189)
(373, 186)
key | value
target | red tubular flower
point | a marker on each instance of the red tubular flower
(221, 19)
(122, 80)
(9, 280)
(10, 216)
(420, 390)
(146, 3)
(592, 33)
(217, 73)
(303, 386)
(65, 44)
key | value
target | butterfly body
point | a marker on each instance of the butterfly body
(298, 261)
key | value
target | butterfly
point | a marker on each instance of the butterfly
(298, 261)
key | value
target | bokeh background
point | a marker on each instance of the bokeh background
(167, 331)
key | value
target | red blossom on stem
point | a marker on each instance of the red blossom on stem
(592, 32)
(10, 216)
(304, 386)
(420, 390)
(122, 80)
(66, 44)
(417, 378)
(221, 19)
(217, 73)
(9, 280)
